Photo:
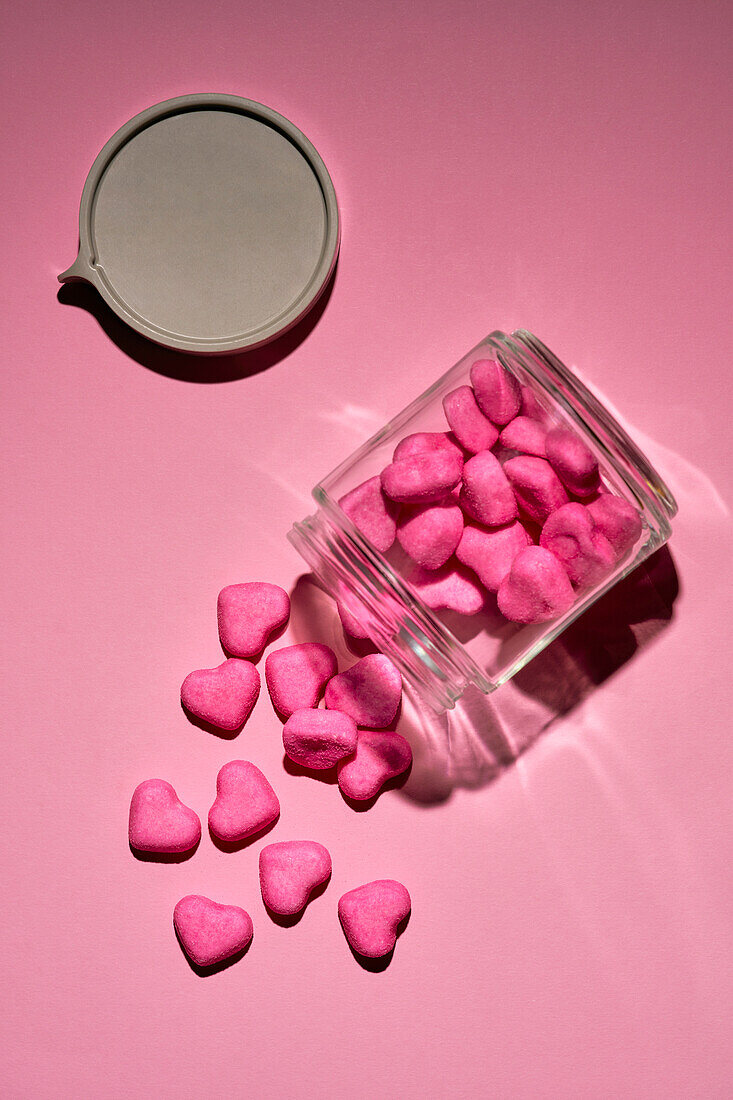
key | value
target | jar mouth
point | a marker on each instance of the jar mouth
(427, 654)
(619, 451)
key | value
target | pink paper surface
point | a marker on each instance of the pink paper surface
(564, 167)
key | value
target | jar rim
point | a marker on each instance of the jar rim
(425, 650)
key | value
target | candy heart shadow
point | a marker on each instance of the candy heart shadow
(379, 965)
(215, 968)
(239, 845)
(358, 647)
(185, 367)
(208, 727)
(289, 920)
(324, 775)
(164, 857)
(361, 805)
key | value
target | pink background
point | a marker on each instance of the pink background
(559, 166)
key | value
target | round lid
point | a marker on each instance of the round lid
(208, 223)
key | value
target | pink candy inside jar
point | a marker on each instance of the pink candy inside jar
(483, 519)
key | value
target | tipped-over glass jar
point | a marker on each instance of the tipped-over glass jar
(479, 580)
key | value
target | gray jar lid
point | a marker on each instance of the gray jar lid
(208, 223)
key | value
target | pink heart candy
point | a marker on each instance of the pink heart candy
(297, 675)
(497, 391)
(372, 512)
(210, 932)
(618, 520)
(318, 739)
(423, 477)
(245, 802)
(379, 757)
(584, 552)
(422, 442)
(370, 691)
(537, 487)
(471, 428)
(449, 589)
(486, 495)
(371, 915)
(289, 871)
(223, 696)
(525, 435)
(351, 624)
(573, 462)
(536, 588)
(429, 533)
(248, 614)
(159, 821)
(491, 553)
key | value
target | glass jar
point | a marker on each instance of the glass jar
(441, 652)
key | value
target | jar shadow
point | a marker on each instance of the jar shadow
(472, 745)
(617, 627)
